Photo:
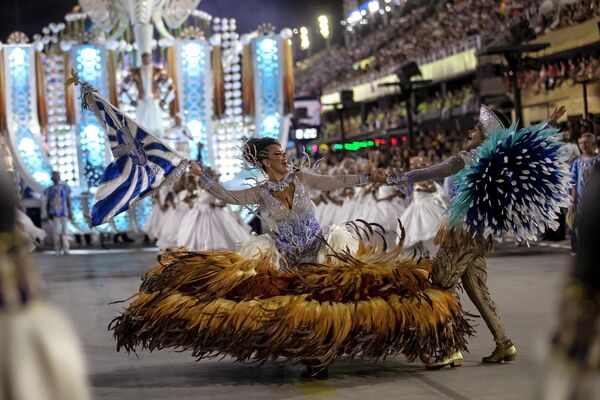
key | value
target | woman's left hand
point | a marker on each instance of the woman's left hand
(196, 169)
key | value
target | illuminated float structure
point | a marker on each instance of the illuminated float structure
(211, 85)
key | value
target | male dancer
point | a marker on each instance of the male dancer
(461, 257)
(59, 211)
(580, 171)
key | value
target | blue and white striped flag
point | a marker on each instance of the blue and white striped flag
(142, 163)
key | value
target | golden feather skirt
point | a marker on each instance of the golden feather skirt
(371, 304)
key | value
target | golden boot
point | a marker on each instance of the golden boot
(502, 353)
(453, 360)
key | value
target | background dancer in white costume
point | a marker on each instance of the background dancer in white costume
(210, 224)
(422, 218)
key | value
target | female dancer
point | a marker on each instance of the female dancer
(391, 202)
(314, 305)
(284, 199)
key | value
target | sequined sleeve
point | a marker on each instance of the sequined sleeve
(327, 183)
(449, 167)
(238, 197)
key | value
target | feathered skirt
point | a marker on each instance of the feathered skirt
(370, 302)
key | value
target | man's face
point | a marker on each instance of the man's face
(475, 136)
(146, 59)
(586, 145)
(55, 178)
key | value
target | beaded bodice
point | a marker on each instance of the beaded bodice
(296, 232)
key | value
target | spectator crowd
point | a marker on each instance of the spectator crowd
(439, 105)
(554, 74)
(425, 31)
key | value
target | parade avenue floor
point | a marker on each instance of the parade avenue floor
(525, 283)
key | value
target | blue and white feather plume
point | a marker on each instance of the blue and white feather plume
(517, 183)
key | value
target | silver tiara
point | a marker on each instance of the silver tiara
(489, 120)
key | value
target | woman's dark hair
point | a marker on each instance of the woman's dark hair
(255, 150)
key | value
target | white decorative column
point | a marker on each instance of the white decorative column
(21, 116)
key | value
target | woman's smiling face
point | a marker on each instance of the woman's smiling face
(276, 160)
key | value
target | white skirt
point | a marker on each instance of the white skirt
(319, 212)
(171, 224)
(356, 206)
(345, 212)
(327, 214)
(382, 213)
(155, 221)
(206, 228)
(366, 208)
(393, 209)
(422, 218)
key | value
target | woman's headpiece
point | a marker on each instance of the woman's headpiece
(255, 150)
(489, 120)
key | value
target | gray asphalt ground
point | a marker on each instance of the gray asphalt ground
(525, 283)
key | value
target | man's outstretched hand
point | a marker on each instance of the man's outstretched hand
(379, 175)
(557, 114)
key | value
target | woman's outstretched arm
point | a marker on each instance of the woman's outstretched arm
(239, 197)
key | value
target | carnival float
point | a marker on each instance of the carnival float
(189, 77)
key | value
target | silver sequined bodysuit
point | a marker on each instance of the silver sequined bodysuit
(295, 231)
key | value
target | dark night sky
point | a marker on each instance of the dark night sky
(31, 15)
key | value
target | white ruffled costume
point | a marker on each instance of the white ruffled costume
(385, 213)
(169, 231)
(157, 215)
(148, 112)
(422, 219)
(210, 227)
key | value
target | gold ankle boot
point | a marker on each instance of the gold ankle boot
(502, 352)
(453, 360)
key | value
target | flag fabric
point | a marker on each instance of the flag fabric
(141, 165)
